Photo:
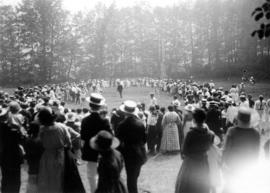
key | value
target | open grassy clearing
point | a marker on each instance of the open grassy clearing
(158, 175)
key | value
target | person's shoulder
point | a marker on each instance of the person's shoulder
(232, 129)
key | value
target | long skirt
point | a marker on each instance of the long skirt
(193, 176)
(111, 186)
(51, 171)
(170, 139)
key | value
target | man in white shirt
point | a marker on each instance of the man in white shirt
(176, 102)
(153, 100)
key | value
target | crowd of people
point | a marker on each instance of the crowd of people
(216, 131)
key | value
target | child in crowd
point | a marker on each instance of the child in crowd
(110, 163)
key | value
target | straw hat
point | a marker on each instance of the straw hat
(104, 141)
(96, 99)
(130, 108)
(189, 108)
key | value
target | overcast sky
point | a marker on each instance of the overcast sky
(77, 5)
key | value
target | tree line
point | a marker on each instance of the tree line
(41, 42)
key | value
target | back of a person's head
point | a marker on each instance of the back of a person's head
(63, 103)
(46, 116)
(163, 109)
(79, 111)
(199, 116)
(85, 110)
(244, 116)
(170, 108)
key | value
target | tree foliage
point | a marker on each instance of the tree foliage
(259, 14)
(41, 42)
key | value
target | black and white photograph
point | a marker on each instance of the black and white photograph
(134, 96)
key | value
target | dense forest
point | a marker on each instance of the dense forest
(42, 42)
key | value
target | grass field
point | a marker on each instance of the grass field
(158, 175)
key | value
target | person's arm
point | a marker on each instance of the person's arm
(67, 136)
(186, 144)
(227, 146)
(83, 132)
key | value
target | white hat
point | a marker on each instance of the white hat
(129, 107)
(96, 99)
(189, 108)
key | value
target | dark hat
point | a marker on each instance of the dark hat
(152, 108)
(104, 141)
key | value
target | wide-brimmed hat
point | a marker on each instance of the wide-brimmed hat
(189, 108)
(213, 103)
(104, 141)
(130, 108)
(242, 96)
(96, 99)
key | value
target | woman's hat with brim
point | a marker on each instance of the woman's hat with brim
(104, 141)
(189, 108)
(129, 108)
(96, 99)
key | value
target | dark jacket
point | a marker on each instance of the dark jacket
(213, 120)
(90, 126)
(242, 145)
(193, 176)
(197, 142)
(132, 135)
(12, 155)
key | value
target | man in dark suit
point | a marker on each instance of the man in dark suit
(213, 119)
(132, 135)
(90, 126)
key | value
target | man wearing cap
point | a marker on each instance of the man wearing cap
(132, 135)
(90, 126)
